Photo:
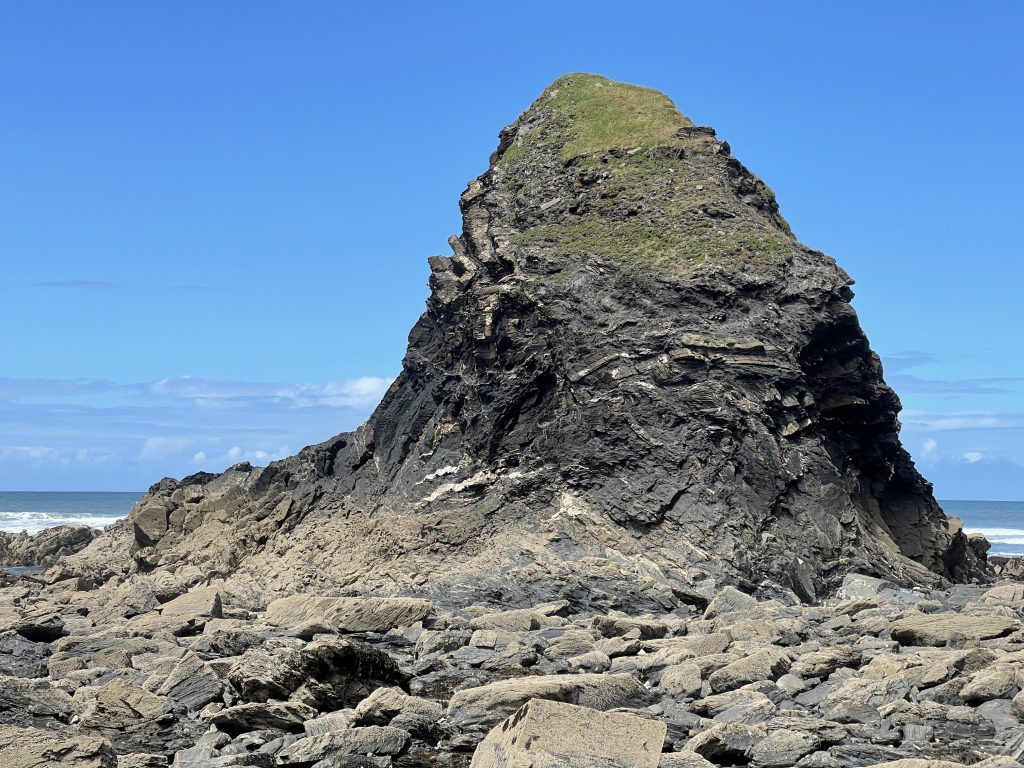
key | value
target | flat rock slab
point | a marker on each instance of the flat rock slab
(935, 629)
(347, 614)
(766, 664)
(35, 748)
(372, 740)
(488, 705)
(201, 603)
(551, 733)
(281, 715)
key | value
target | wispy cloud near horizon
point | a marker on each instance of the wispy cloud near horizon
(82, 434)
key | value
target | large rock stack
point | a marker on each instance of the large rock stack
(637, 438)
(631, 385)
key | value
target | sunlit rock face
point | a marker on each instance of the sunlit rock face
(631, 384)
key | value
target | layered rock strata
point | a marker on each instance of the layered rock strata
(631, 385)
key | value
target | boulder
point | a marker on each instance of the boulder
(766, 664)
(486, 706)
(996, 683)
(328, 673)
(197, 605)
(192, 683)
(936, 629)
(253, 716)
(346, 614)
(551, 733)
(46, 546)
(823, 663)
(33, 702)
(1010, 595)
(132, 719)
(150, 524)
(1017, 705)
(681, 680)
(859, 700)
(381, 707)
(616, 626)
(730, 601)
(727, 743)
(371, 740)
(521, 620)
(783, 748)
(36, 748)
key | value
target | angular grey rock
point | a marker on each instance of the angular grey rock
(549, 733)
(192, 683)
(996, 683)
(36, 748)
(201, 603)
(681, 680)
(488, 705)
(252, 716)
(381, 707)
(347, 614)
(730, 600)
(766, 664)
(783, 748)
(46, 547)
(328, 673)
(826, 661)
(371, 740)
(727, 743)
(935, 630)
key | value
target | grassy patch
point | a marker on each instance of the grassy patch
(590, 113)
(606, 114)
(647, 246)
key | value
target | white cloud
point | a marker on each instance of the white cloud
(91, 434)
(973, 457)
(931, 446)
(159, 447)
(963, 420)
(39, 455)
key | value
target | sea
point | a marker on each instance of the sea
(34, 510)
(1002, 522)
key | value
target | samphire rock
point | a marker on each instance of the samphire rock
(631, 385)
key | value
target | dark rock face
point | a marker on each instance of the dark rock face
(45, 547)
(631, 385)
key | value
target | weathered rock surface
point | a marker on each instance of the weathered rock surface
(547, 733)
(346, 614)
(631, 385)
(46, 547)
(488, 705)
(923, 629)
(328, 672)
(36, 748)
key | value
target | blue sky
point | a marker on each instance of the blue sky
(215, 217)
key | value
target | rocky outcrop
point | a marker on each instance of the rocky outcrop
(549, 733)
(639, 437)
(631, 385)
(46, 547)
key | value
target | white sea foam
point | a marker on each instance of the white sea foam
(33, 522)
(1000, 535)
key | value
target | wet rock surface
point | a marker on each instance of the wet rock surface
(640, 472)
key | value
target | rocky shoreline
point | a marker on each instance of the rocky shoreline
(876, 674)
(636, 499)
